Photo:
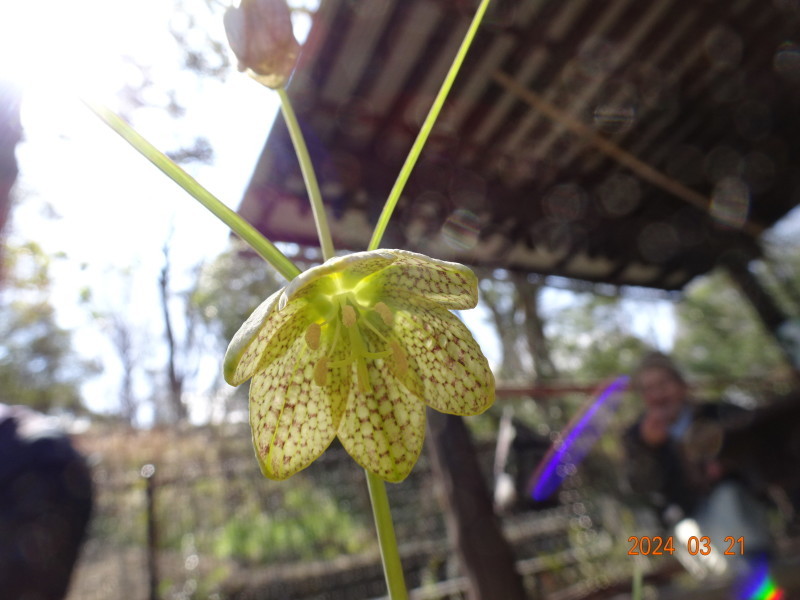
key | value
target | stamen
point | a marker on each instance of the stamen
(312, 335)
(400, 358)
(321, 371)
(348, 315)
(373, 329)
(385, 313)
(362, 374)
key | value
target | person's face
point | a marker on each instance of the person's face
(663, 395)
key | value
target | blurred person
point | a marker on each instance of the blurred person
(45, 505)
(675, 460)
(45, 484)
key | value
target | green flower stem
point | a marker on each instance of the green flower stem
(638, 575)
(237, 224)
(314, 195)
(427, 126)
(392, 569)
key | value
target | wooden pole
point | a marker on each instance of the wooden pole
(771, 315)
(10, 135)
(472, 526)
(612, 150)
(148, 473)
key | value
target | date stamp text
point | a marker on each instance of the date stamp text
(659, 546)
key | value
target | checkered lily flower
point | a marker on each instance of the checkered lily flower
(356, 348)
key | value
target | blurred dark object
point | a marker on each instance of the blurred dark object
(472, 526)
(45, 505)
(765, 448)
(687, 146)
(759, 448)
(519, 452)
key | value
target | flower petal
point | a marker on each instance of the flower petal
(383, 431)
(243, 356)
(427, 280)
(352, 267)
(293, 419)
(446, 367)
(266, 335)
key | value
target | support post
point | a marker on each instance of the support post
(472, 526)
(148, 472)
(768, 311)
(10, 135)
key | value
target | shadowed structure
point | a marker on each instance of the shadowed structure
(620, 142)
(630, 143)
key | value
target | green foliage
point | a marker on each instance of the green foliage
(719, 334)
(37, 365)
(230, 288)
(780, 273)
(227, 291)
(308, 524)
(592, 338)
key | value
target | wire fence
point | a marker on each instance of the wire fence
(198, 520)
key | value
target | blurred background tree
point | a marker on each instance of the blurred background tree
(227, 290)
(719, 335)
(38, 365)
(593, 338)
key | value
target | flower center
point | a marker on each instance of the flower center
(348, 328)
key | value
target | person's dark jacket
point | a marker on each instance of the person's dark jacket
(673, 475)
(45, 505)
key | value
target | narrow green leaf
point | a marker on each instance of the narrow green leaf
(237, 224)
(427, 126)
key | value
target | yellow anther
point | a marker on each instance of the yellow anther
(313, 334)
(399, 357)
(321, 371)
(348, 315)
(385, 313)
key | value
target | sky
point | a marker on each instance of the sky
(85, 193)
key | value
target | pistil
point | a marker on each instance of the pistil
(347, 320)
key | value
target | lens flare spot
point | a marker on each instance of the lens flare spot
(759, 585)
(574, 443)
(658, 242)
(461, 229)
(786, 61)
(730, 202)
(619, 194)
(616, 106)
(565, 202)
(723, 47)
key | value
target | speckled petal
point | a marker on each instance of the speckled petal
(446, 284)
(446, 366)
(383, 431)
(293, 419)
(243, 355)
(352, 268)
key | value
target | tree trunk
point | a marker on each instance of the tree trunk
(10, 135)
(770, 314)
(510, 364)
(122, 338)
(471, 523)
(174, 377)
(528, 297)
